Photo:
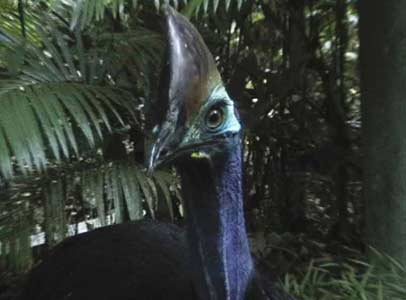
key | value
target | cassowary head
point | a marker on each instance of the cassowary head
(194, 116)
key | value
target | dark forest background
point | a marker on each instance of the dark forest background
(76, 78)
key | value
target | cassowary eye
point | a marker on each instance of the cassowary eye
(214, 118)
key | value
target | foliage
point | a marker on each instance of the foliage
(351, 280)
(70, 102)
(85, 12)
(290, 65)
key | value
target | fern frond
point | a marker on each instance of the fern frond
(126, 188)
(47, 114)
(194, 7)
(138, 52)
(84, 12)
(59, 90)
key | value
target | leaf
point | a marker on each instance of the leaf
(205, 5)
(67, 56)
(44, 114)
(228, 2)
(55, 221)
(117, 195)
(31, 130)
(76, 15)
(145, 187)
(164, 187)
(240, 2)
(92, 186)
(215, 5)
(157, 4)
(132, 192)
(6, 167)
(192, 8)
(14, 133)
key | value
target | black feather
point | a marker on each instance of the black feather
(121, 262)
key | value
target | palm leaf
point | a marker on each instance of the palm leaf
(84, 12)
(15, 229)
(61, 93)
(55, 220)
(58, 92)
(194, 7)
(123, 188)
(9, 19)
(137, 51)
(115, 189)
(43, 114)
(165, 182)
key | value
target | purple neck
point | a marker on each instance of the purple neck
(217, 236)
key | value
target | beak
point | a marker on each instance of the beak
(152, 160)
(160, 150)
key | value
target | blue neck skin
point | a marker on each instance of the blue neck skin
(212, 190)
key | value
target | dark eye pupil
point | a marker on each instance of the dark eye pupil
(215, 118)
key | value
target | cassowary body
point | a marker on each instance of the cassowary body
(198, 130)
(122, 262)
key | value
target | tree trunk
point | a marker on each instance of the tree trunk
(383, 84)
(337, 108)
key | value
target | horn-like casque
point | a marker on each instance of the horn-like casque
(189, 76)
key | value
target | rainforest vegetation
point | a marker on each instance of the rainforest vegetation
(320, 87)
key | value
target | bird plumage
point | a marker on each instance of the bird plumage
(119, 262)
(198, 130)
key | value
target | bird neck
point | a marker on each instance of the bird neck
(212, 190)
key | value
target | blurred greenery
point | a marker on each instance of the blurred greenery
(349, 280)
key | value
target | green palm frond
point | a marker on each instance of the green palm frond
(124, 188)
(58, 91)
(84, 12)
(54, 212)
(137, 51)
(46, 114)
(61, 92)
(15, 229)
(121, 188)
(108, 192)
(10, 25)
(10, 17)
(194, 7)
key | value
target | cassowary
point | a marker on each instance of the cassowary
(198, 130)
